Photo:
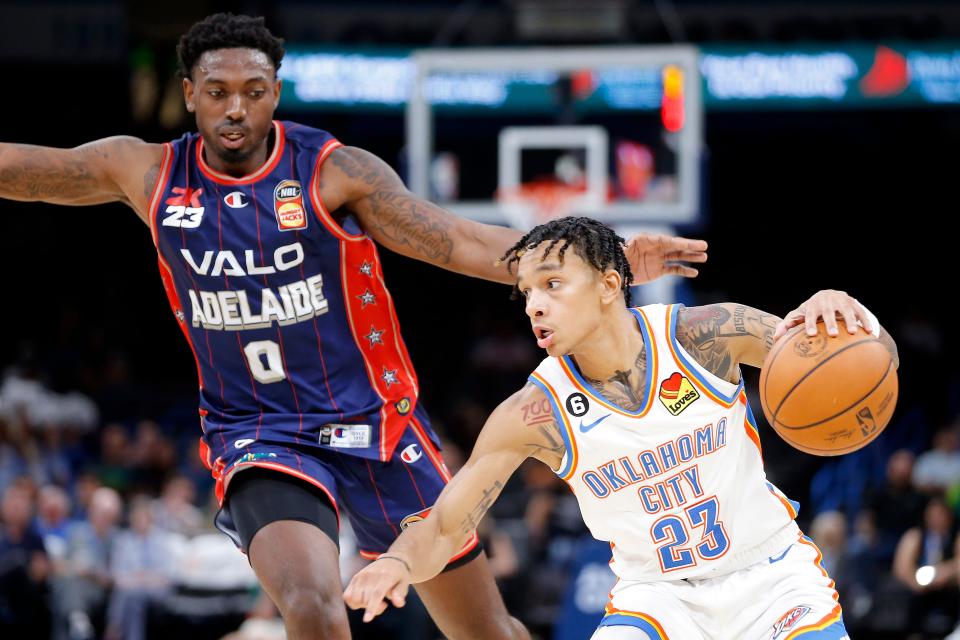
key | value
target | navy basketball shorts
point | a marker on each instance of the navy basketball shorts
(379, 498)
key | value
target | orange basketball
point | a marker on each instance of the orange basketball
(828, 396)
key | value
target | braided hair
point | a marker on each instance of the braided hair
(593, 241)
(227, 31)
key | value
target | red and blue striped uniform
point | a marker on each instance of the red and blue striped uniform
(298, 349)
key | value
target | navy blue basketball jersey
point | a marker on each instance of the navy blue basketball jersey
(294, 333)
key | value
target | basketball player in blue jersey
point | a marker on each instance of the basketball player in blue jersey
(309, 406)
(652, 431)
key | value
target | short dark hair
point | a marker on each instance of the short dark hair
(227, 31)
(593, 241)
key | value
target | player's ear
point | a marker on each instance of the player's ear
(276, 92)
(610, 283)
(188, 95)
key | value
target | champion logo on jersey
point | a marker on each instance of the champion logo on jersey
(236, 200)
(411, 454)
(288, 206)
(788, 621)
(414, 517)
(676, 393)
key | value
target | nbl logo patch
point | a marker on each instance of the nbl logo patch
(288, 206)
(676, 393)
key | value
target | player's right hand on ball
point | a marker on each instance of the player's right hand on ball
(384, 580)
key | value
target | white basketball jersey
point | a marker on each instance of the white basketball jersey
(677, 487)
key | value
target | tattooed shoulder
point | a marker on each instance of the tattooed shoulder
(700, 332)
(706, 333)
(543, 438)
(389, 212)
(150, 180)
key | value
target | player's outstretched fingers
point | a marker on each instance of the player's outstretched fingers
(813, 313)
(681, 270)
(863, 316)
(850, 318)
(398, 595)
(373, 609)
(789, 321)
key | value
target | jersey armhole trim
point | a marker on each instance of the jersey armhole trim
(568, 463)
(647, 623)
(692, 370)
(153, 204)
(318, 207)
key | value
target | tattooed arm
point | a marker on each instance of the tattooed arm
(399, 220)
(722, 336)
(365, 185)
(118, 169)
(516, 430)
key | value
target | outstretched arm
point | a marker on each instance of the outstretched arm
(723, 336)
(425, 547)
(118, 169)
(399, 220)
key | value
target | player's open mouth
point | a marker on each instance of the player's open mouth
(544, 336)
(233, 139)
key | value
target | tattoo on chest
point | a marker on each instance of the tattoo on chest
(626, 389)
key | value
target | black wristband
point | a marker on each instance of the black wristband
(401, 560)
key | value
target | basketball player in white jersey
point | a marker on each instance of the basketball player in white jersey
(653, 433)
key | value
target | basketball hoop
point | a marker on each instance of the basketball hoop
(534, 203)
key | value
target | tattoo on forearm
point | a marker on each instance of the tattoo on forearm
(472, 520)
(398, 214)
(37, 174)
(620, 390)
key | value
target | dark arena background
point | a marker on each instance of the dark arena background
(825, 157)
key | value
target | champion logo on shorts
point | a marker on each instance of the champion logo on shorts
(411, 454)
(788, 621)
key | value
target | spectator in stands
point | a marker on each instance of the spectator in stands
(84, 488)
(175, 510)
(53, 520)
(24, 569)
(867, 566)
(153, 457)
(925, 564)
(115, 461)
(938, 469)
(897, 505)
(83, 584)
(142, 566)
(829, 531)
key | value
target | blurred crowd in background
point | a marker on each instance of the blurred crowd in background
(106, 512)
